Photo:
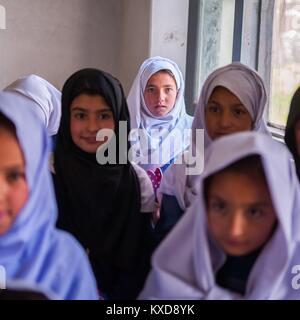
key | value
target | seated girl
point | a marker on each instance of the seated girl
(232, 100)
(32, 250)
(157, 110)
(239, 238)
(104, 204)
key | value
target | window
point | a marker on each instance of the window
(285, 60)
(210, 43)
(263, 34)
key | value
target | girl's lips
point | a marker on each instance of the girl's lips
(160, 107)
(235, 243)
(221, 133)
(91, 140)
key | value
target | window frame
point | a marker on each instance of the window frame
(252, 45)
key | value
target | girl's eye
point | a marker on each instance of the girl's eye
(150, 90)
(239, 112)
(255, 212)
(80, 116)
(105, 116)
(168, 90)
(218, 206)
(213, 109)
(15, 175)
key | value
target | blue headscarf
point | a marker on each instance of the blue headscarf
(33, 250)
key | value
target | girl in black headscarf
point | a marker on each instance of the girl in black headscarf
(100, 204)
(292, 131)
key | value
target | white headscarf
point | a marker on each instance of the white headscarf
(245, 83)
(46, 97)
(248, 86)
(184, 266)
(142, 118)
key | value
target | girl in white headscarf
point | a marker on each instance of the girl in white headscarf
(157, 109)
(232, 100)
(46, 98)
(245, 212)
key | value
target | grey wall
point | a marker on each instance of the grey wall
(135, 39)
(53, 38)
(169, 24)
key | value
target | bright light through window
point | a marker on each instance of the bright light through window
(285, 71)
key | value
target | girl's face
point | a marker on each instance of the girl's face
(241, 217)
(14, 190)
(225, 114)
(297, 137)
(89, 114)
(160, 93)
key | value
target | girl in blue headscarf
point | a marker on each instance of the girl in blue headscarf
(31, 248)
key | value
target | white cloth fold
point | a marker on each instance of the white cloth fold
(184, 265)
(46, 97)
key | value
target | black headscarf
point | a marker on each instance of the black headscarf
(98, 204)
(294, 116)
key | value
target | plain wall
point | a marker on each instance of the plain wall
(169, 25)
(54, 38)
(135, 39)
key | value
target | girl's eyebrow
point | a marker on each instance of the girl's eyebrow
(106, 109)
(164, 86)
(239, 105)
(212, 101)
(215, 197)
(252, 204)
(79, 109)
(234, 105)
(14, 166)
(259, 204)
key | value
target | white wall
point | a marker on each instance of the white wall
(54, 38)
(135, 39)
(150, 28)
(169, 24)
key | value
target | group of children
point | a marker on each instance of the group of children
(75, 228)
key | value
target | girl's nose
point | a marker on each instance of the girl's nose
(237, 226)
(93, 125)
(225, 120)
(161, 97)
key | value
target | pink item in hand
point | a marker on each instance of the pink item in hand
(156, 177)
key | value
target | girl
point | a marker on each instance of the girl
(232, 100)
(101, 204)
(157, 109)
(246, 211)
(292, 131)
(31, 249)
(45, 99)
